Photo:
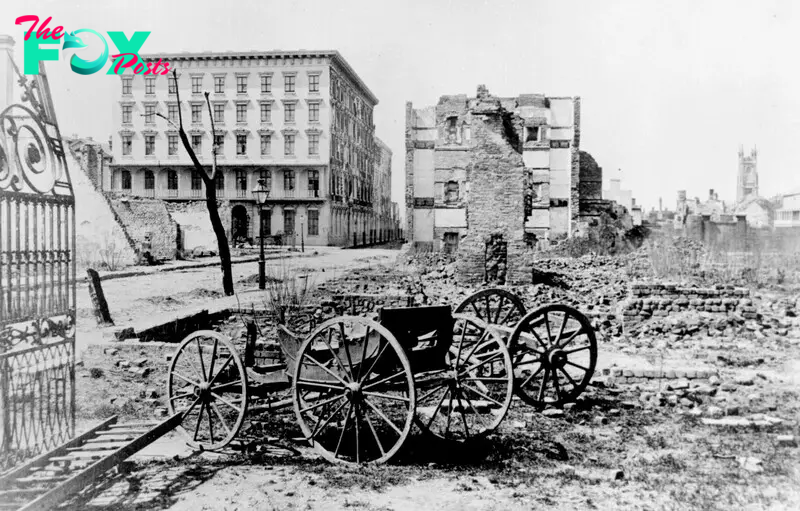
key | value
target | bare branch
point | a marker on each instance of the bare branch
(198, 167)
(214, 146)
(171, 123)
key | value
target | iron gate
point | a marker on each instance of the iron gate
(37, 275)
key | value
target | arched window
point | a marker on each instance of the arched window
(126, 180)
(149, 180)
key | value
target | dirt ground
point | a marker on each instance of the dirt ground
(643, 445)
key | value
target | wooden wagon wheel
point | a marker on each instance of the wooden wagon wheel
(208, 383)
(554, 350)
(354, 391)
(472, 395)
(494, 305)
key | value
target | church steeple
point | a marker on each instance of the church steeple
(747, 180)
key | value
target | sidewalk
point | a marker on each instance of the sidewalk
(177, 265)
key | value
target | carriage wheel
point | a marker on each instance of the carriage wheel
(208, 383)
(353, 391)
(554, 350)
(472, 395)
(495, 306)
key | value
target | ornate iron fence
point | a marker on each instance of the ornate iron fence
(37, 275)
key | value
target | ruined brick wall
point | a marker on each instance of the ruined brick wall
(143, 217)
(496, 197)
(196, 230)
(647, 300)
(409, 172)
(574, 202)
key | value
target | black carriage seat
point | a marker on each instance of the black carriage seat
(420, 328)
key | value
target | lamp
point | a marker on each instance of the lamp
(261, 193)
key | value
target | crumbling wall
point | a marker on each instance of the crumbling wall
(100, 239)
(496, 203)
(197, 234)
(647, 300)
(149, 224)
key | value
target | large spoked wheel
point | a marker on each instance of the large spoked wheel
(208, 384)
(353, 391)
(554, 350)
(494, 305)
(471, 396)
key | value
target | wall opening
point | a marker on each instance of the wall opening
(451, 242)
(496, 259)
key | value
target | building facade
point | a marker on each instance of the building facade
(302, 121)
(444, 158)
(788, 213)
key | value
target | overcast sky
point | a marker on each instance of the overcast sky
(669, 89)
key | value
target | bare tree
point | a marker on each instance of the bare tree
(211, 190)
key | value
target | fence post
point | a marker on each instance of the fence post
(5, 439)
(98, 298)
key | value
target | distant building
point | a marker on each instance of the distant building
(615, 193)
(300, 120)
(747, 182)
(788, 213)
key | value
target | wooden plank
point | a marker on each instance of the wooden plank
(134, 432)
(107, 438)
(137, 425)
(24, 492)
(91, 473)
(42, 460)
(97, 446)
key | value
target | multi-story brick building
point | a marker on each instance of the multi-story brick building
(539, 189)
(301, 120)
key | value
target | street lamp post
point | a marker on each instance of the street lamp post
(302, 243)
(261, 193)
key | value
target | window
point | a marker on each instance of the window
(266, 175)
(241, 145)
(451, 192)
(313, 112)
(172, 112)
(127, 110)
(219, 180)
(313, 144)
(172, 86)
(288, 221)
(313, 83)
(219, 141)
(149, 114)
(289, 112)
(266, 84)
(266, 112)
(172, 180)
(241, 113)
(266, 145)
(241, 183)
(266, 222)
(197, 113)
(313, 183)
(126, 180)
(450, 242)
(126, 145)
(127, 86)
(288, 179)
(149, 85)
(219, 113)
(452, 130)
(532, 134)
(149, 180)
(241, 84)
(197, 84)
(197, 143)
(288, 83)
(219, 84)
(288, 145)
(313, 222)
(149, 145)
(197, 181)
(172, 145)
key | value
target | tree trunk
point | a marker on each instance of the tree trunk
(222, 239)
